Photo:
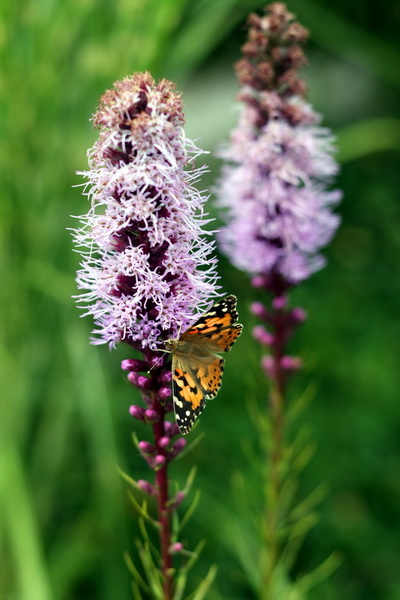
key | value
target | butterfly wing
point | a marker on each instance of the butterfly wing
(196, 368)
(217, 325)
(192, 386)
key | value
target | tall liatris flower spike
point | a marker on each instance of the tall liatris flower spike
(278, 212)
(146, 270)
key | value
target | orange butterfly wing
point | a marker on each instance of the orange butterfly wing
(194, 380)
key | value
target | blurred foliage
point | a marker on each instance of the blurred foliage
(65, 519)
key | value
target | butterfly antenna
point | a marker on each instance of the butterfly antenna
(158, 360)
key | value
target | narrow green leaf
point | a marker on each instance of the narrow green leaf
(320, 573)
(205, 585)
(142, 510)
(146, 537)
(138, 579)
(190, 510)
(154, 577)
(369, 136)
(180, 585)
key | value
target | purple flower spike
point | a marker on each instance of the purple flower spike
(279, 163)
(147, 268)
(146, 265)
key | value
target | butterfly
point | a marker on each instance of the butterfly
(196, 365)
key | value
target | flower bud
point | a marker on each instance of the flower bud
(291, 363)
(164, 393)
(140, 381)
(280, 302)
(177, 447)
(147, 487)
(177, 500)
(165, 376)
(171, 429)
(164, 441)
(263, 336)
(159, 461)
(151, 415)
(258, 309)
(268, 364)
(137, 412)
(298, 315)
(130, 364)
(175, 548)
(156, 361)
(146, 448)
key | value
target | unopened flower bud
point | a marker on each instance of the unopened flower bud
(137, 412)
(159, 461)
(151, 415)
(280, 302)
(156, 361)
(146, 448)
(131, 364)
(298, 315)
(175, 548)
(291, 363)
(268, 364)
(165, 376)
(140, 381)
(258, 309)
(147, 487)
(258, 281)
(177, 500)
(164, 393)
(164, 441)
(177, 447)
(171, 429)
(263, 336)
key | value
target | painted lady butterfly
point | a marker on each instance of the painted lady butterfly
(196, 367)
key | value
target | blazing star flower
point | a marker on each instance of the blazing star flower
(146, 268)
(273, 188)
(146, 264)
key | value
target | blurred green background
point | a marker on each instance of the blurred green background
(65, 520)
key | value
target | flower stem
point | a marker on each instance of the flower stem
(165, 531)
(162, 501)
(276, 444)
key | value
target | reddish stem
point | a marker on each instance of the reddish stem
(163, 509)
(276, 403)
(164, 512)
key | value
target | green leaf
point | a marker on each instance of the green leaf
(205, 585)
(369, 136)
(142, 510)
(190, 510)
(138, 579)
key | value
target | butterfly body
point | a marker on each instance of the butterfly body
(196, 365)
